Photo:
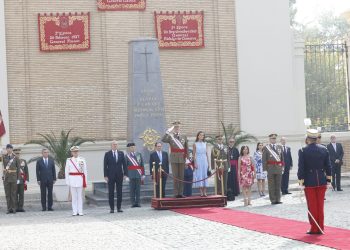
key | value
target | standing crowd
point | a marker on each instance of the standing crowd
(235, 171)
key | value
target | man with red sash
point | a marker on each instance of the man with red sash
(314, 172)
(76, 178)
(178, 154)
(273, 163)
(136, 173)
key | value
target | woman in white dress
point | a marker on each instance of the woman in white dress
(260, 174)
(201, 163)
(76, 177)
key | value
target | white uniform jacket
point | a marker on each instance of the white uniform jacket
(75, 180)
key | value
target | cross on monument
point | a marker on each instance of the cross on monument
(146, 53)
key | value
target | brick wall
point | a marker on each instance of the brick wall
(87, 90)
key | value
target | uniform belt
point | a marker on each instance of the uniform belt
(177, 150)
(10, 171)
(278, 163)
(76, 173)
(135, 168)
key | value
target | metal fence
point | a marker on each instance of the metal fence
(327, 86)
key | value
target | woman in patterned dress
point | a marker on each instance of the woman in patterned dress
(260, 174)
(246, 172)
(201, 163)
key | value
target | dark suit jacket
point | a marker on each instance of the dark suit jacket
(44, 173)
(154, 158)
(335, 155)
(113, 168)
(287, 156)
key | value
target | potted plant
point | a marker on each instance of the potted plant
(230, 131)
(59, 148)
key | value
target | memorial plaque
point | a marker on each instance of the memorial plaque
(146, 116)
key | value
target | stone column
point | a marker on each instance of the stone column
(3, 77)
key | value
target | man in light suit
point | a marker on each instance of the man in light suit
(288, 164)
(46, 177)
(157, 157)
(115, 172)
(336, 154)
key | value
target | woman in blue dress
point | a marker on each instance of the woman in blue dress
(201, 163)
(260, 174)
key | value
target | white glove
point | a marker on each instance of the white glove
(18, 181)
(143, 177)
(127, 179)
(169, 130)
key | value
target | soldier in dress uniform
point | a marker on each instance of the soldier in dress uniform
(11, 176)
(23, 181)
(219, 152)
(76, 179)
(272, 160)
(314, 172)
(136, 173)
(178, 154)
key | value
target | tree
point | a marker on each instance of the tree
(59, 147)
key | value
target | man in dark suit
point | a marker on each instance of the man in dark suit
(336, 154)
(46, 177)
(157, 157)
(288, 164)
(114, 169)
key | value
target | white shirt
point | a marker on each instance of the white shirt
(334, 146)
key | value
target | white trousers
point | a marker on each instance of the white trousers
(77, 200)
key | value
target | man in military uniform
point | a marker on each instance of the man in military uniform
(272, 160)
(23, 180)
(219, 152)
(136, 173)
(314, 172)
(178, 154)
(11, 176)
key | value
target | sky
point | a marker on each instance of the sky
(308, 10)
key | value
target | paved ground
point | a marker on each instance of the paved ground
(145, 228)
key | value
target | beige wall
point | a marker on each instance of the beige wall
(87, 90)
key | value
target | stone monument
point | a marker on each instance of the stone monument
(146, 116)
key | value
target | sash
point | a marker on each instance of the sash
(9, 163)
(177, 142)
(79, 173)
(273, 153)
(135, 163)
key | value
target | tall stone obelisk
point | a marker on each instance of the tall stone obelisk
(146, 116)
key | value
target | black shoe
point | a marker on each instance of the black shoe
(284, 193)
(111, 211)
(309, 232)
(120, 211)
(137, 205)
(273, 203)
(178, 196)
(133, 205)
(288, 193)
(8, 212)
(44, 209)
(50, 209)
(278, 202)
(339, 189)
(20, 210)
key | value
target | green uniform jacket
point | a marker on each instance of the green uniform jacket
(134, 174)
(219, 154)
(15, 165)
(23, 169)
(176, 157)
(267, 156)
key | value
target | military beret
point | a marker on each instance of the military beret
(9, 146)
(74, 148)
(176, 123)
(130, 144)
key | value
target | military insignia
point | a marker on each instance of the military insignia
(138, 158)
(183, 141)
(149, 137)
(22, 164)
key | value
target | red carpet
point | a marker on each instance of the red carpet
(334, 237)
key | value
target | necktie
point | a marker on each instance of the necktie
(46, 162)
(274, 148)
(284, 149)
(113, 154)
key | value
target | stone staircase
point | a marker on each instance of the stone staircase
(99, 194)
